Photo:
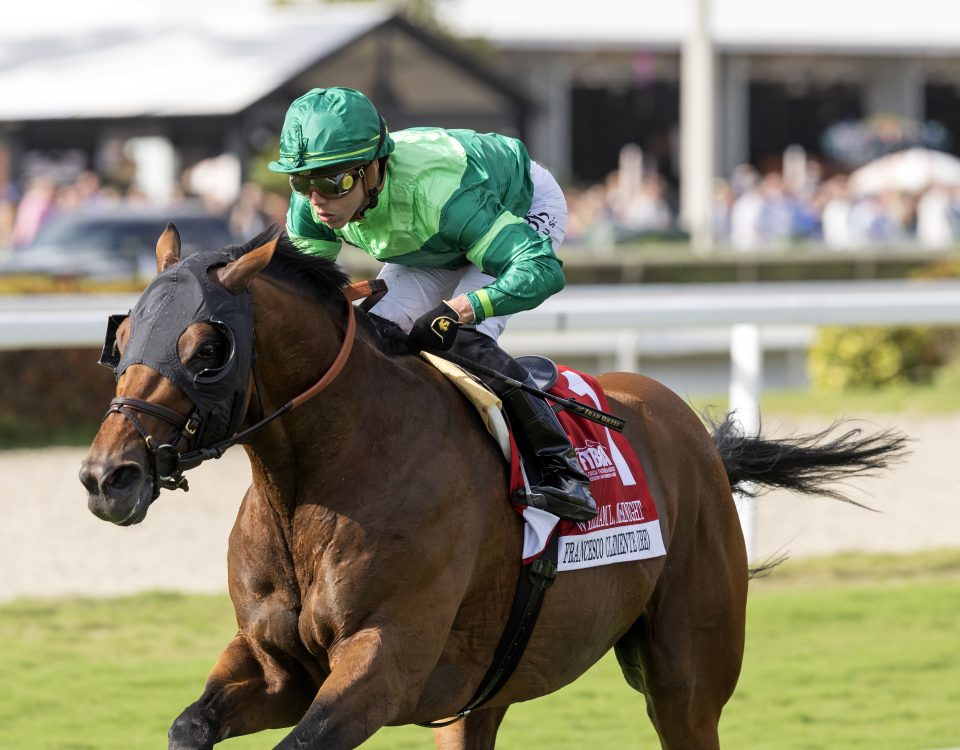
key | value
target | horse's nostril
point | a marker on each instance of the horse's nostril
(122, 478)
(89, 480)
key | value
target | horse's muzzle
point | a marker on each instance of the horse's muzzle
(120, 493)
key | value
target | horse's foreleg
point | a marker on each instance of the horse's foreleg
(247, 691)
(372, 678)
(478, 731)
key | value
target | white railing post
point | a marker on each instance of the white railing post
(746, 384)
(627, 358)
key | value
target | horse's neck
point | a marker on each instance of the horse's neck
(335, 431)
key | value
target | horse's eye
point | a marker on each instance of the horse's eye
(210, 350)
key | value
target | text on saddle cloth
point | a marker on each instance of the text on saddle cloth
(626, 527)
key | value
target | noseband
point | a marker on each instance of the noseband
(169, 463)
(165, 459)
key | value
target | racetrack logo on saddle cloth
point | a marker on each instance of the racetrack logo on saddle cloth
(595, 462)
(626, 527)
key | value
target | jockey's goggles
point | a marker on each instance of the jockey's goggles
(328, 185)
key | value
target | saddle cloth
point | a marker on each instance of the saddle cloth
(626, 527)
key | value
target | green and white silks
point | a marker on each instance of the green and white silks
(450, 198)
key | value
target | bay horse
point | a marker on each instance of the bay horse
(374, 556)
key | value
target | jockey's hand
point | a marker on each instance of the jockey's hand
(436, 329)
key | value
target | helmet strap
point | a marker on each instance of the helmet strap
(373, 196)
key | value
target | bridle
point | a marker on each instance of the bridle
(169, 462)
(166, 458)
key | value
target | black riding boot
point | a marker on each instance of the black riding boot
(563, 489)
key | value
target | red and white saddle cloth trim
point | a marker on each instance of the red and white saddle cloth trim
(626, 526)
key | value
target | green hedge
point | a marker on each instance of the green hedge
(55, 397)
(875, 356)
(844, 359)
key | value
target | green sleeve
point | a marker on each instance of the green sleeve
(504, 246)
(309, 235)
(523, 263)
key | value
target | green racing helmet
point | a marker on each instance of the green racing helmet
(326, 128)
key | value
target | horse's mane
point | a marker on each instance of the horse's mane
(320, 279)
(311, 275)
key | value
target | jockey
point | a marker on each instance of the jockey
(466, 225)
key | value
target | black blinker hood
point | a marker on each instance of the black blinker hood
(174, 300)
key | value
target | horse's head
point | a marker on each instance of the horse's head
(182, 359)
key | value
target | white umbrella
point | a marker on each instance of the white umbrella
(910, 171)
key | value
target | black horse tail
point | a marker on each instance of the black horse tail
(807, 463)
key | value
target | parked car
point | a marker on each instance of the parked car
(114, 243)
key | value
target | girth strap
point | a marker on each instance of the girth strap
(535, 578)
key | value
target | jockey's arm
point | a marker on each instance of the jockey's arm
(524, 267)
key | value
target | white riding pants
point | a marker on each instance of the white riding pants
(411, 292)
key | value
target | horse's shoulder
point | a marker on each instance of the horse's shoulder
(259, 560)
(429, 376)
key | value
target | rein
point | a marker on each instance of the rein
(169, 463)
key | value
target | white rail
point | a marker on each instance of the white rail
(612, 314)
(600, 320)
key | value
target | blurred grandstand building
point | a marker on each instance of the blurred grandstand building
(578, 81)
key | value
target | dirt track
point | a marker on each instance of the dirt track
(51, 545)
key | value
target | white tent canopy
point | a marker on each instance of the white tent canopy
(911, 171)
(119, 58)
(136, 59)
(870, 26)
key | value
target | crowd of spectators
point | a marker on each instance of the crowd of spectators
(757, 211)
(751, 210)
(24, 212)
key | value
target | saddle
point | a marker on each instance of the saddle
(543, 370)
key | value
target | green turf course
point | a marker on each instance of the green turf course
(847, 652)
(935, 399)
